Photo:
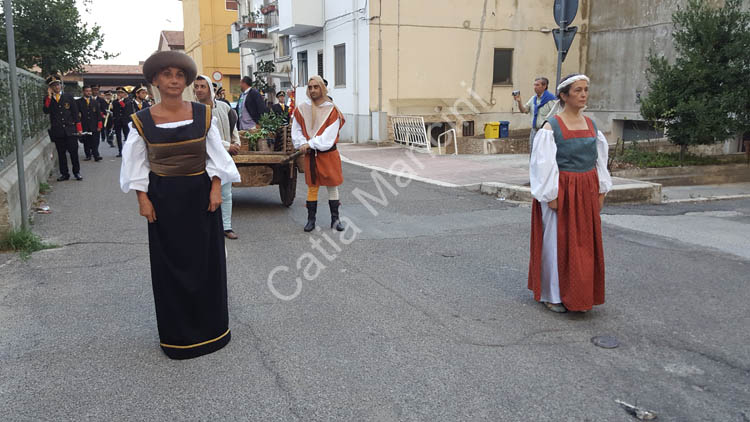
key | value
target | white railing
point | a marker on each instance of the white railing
(455, 141)
(410, 131)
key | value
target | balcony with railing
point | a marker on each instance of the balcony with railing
(270, 12)
(252, 31)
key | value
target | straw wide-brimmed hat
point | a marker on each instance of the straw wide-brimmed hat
(162, 59)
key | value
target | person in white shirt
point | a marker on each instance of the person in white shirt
(176, 163)
(204, 93)
(569, 179)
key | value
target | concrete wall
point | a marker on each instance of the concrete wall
(39, 159)
(620, 37)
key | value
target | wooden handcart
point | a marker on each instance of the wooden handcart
(265, 168)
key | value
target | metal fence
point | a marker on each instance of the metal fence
(31, 90)
(411, 131)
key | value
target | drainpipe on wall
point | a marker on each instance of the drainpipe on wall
(355, 33)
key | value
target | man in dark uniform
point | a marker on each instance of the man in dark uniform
(139, 101)
(121, 117)
(101, 99)
(91, 123)
(281, 108)
(64, 126)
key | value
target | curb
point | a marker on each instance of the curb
(706, 199)
(631, 193)
(638, 193)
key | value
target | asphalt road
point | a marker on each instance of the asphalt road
(421, 313)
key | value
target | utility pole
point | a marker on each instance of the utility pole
(563, 27)
(564, 12)
(15, 104)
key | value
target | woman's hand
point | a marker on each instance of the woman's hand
(146, 207)
(304, 148)
(552, 204)
(214, 197)
(601, 200)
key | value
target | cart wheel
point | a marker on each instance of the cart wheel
(288, 185)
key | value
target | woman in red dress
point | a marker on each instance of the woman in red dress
(569, 179)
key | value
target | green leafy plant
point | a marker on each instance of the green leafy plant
(699, 98)
(259, 135)
(25, 242)
(271, 121)
(639, 157)
(44, 188)
(261, 77)
(50, 35)
(31, 89)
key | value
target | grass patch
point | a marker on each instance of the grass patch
(44, 188)
(25, 242)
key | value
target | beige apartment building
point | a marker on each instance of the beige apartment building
(207, 39)
(459, 62)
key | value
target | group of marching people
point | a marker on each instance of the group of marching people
(91, 119)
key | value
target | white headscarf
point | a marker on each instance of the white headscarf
(571, 80)
(210, 87)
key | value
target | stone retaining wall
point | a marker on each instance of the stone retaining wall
(39, 160)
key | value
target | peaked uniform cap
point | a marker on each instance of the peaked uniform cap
(54, 78)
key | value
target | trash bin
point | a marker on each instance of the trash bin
(504, 129)
(492, 130)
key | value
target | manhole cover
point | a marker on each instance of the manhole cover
(605, 342)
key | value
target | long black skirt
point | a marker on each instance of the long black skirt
(188, 267)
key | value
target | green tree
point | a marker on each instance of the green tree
(262, 76)
(701, 98)
(50, 34)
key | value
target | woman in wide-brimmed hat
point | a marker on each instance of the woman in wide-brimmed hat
(175, 161)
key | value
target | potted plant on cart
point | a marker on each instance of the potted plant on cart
(273, 124)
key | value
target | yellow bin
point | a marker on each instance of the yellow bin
(492, 130)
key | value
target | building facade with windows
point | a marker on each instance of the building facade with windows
(256, 35)
(207, 39)
(456, 64)
(304, 38)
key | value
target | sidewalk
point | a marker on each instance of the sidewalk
(706, 192)
(503, 175)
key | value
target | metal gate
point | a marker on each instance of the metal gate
(410, 131)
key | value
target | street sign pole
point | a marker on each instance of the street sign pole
(563, 27)
(14, 100)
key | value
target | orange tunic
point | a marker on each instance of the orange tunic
(322, 168)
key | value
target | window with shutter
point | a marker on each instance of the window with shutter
(339, 64)
(302, 68)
